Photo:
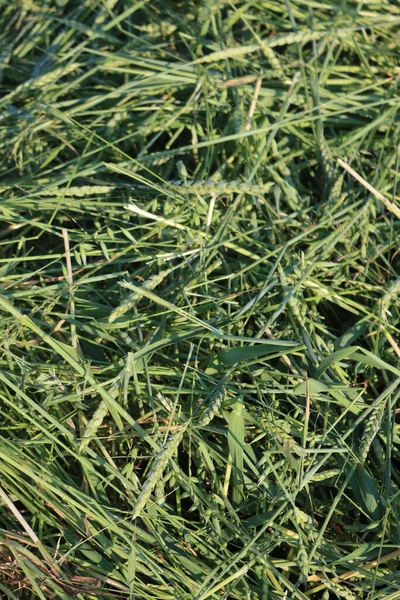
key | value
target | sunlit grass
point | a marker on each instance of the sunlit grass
(199, 303)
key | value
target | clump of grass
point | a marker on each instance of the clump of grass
(199, 300)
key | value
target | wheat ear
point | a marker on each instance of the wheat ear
(370, 430)
(157, 469)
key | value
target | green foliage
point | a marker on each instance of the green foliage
(199, 299)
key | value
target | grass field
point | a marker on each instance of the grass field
(200, 299)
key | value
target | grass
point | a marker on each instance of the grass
(199, 300)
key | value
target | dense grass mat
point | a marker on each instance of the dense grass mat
(199, 303)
